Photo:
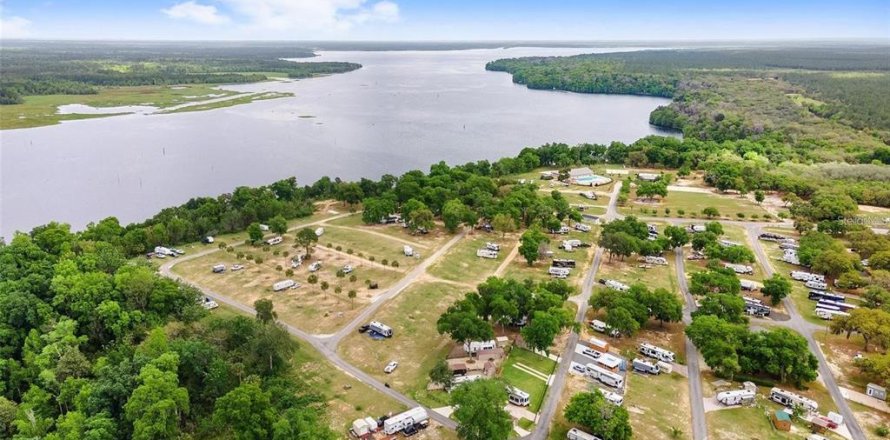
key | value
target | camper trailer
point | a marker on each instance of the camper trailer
(749, 285)
(656, 352)
(645, 367)
(274, 240)
(319, 232)
(517, 397)
(160, 250)
(665, 367)
(493, 247)
(736, 397)
(598, 325)
(577, 434)
(407, 419)
(791, 400)
(486, 253)
(740, 268)
(380, 328)
(612, 284)
(827, 314)
(281, 285)
(605, 376)
(408, 251)
(696, 228)
(769, 236)
(558, 262)
(817, 285)
(613, 398)
(806, 276)
(661, 261)
(219, 268)
(559, 272)
(473, 347)
(582, 227)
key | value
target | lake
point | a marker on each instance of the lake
(402, 110)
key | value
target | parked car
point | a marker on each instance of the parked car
(347, 269)
(390, 367)
(314, 267)
(592, 353)
(579, 368)
(236, 267)
(364, 328)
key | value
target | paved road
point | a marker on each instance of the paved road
(696, 398)
(327, 346)
(798, 324)
(554, 392)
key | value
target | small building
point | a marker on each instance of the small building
(876, 391)
(580, 173)
(458, 368)
(648, 177)
(781, 420)
(609, 361)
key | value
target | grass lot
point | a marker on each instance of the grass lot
(416, 344)
(744, 424)
(461, 263)
(308, 307)
(870, 420)
(519, 268)
(41, 110)
(805, 306)
(658, 406)
(693, 203)
(367, 245)
(432, 240)
(630, 271)
(519, 378)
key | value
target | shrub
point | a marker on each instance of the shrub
(289, 272)
(394, 263)
(285, 254)
(367, 281)
(259, 260)
(361, 254)
(349, 251)
(340, 273)
(221, 245)
(279, 268)
(667, 211)
(882, 431)
(782, 215)
(754, 216)
(353, 278)
(339, 248)
(371, 258)
(266, 248)
(230, 249)
(681, 211)
(276, 252)
(249, 257)
(330, 245)
(338, 289)
(740, 214)
(239, 255)
(384, 262)
(312, 279)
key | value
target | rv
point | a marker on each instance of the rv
(769, 236)
(817, 285)
(219, 268)
(390, 219)
(559, 272)
(582, 227)
(380, 328)
(563, 263)
(656, 352)
(792, 400)
(740, 268)
(665, 367)
(598, 325)
(459, 380)
(696, 228)
(274, 240)
(827, 314)
(839, 305)
(563, 230)
(408, 250)
(652, 229)
(207, 240)
(407, 419)
(727, 243)
(264, 228)
(473, 347)
(493, 247)
(619, 286)
(806, 276)
(613, 398)
(319, 232)
(736, 397)
(790, 257)
(160, 250)
(571, 244)
(818, 295)
(590, 195)
(281, 285)
(314, 267)
(486, 253)
(296, 261)
(517, 397)
(605, 376)
(577, 434)
(749, 285)
(661, 261)
(645, 367)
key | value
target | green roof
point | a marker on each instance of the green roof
(782, 415)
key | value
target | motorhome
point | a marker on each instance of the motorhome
(380, 328)
(817, 285)
(399, 422)
(558, 262)
(605, 376)
(562, 230)
(582, 227)
(645, 367)
(160, 250)
(696, 228)
(749, 285)
(285, 284)
(487, 253)
(598, 325)
(727, 243)
(577, 434)
(219, 268)
(825, 295)
(736, 397)
(390, 219)
(827, 314)
(617, 285)
(661, 261)
(792, 400)
(839, 305)
(473, 347)
(274, 240)
(590, 195)
(559, 272)
(493, 247)
(656, 352)
(613, 398)
(518, 397)
(740, 268)
(799, 275)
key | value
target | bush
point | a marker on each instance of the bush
(740, 214)
(349, 251)
(259, 260)
(312, 279)
(330, 245)
(338, 289)
(394, 263)
(667, 211)
(221, 245)
(276, 252)
(882, 431)
(289, 272)
(384, 262)
(783, 215)
(230, 249)
(340, 273)
(367, 281)
(754, 216)
(279, 268)
(239, 255)
(371, 258)
(339, 248)
(266, 248)
(285, 254)
(353, 278)
(361, 254)
(249, 257)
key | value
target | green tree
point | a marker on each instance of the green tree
(461, 322)
(619, 243)
(351, 295)
(480, 411)
(306, 238)
(710, 212)
(833, 263)
(677, 236)
(503, 223)
(421, 219)
(245, 413)
(265, 311)
(278, 224)
(665, 306)
(759, 196)
(441, 374)
(158, 404)
(254, 232)
(596, 415)
(776, 287)
(530, 244)
(375, 209)
(621, 320)
(541, 331)
(454, 213)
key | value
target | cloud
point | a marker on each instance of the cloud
(313, 15)
(14, 27)
(190, 10)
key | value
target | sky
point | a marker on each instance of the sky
(440, 20)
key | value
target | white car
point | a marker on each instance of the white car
(390, 367)
(592, 353)
(347, 269)
(237, 267)
(315, 266)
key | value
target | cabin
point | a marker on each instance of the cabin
(876, 391)
(781, 420)
(285, 284)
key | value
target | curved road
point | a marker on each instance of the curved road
(327, 344)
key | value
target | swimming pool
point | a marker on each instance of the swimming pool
(593, 180)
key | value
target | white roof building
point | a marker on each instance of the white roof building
(580, 172)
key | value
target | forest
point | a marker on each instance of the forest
(77, 68)
(724, 94)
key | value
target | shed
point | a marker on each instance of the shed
(819, 425)
(609, 361)
(781, 420)
(458, 368)
(502, 341)
(876, 391)
(575, 173)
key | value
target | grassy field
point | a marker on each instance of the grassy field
(805, 306)
(870, 420)
(658, 406)
(692, 204)
(308, 307)
(744, 424)
(41, 110)
(416, 344)
(630, 271)
(367, 245)
(517, 377)
(519, 268)
(461, 263)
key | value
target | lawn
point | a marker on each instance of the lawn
(519, 268)
(369, 245)
(41, 110)
(870, 420)
(308, 307)
(416, 344)
(423, 242)
(692, 204)
(744, 423)
(514, 375)
(631, 271)
(658, 406)
(799, 293)
(462, 264)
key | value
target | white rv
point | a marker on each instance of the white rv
(398, 422)
(661, 261)
(274, 240)
(281, 285)
(605, 376)
(736, 397)
(408, 250)
(319, 232)
(518, 397)
(791, 400)
(598, 325)
(473, 347)
(645, 367)
(559, 272)
(613, 398)
(818, 285)
(740, 268)
(577, 434)
(493, 247)
(219, 268)
(582, 227)
(160, 250)
(380, 328)
(749, 285)
(486, 253)
(619, 286)
(656, 352)
(314, 267)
